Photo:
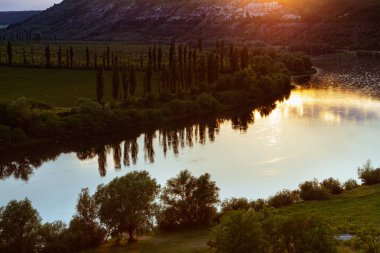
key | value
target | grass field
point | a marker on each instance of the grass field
(347, 212)
(56, 87)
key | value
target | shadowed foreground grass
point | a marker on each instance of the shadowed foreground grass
(347, 212)
(56, 87)
(188, 241)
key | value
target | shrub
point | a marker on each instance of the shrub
(249, 231)
(284, 198)
(333, 186)
(368, 174)
(235, 204)
(239, 232)
(312, 190)
(208, 103)
(350, 184)
(178, 107)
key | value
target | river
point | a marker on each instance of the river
(327, 128)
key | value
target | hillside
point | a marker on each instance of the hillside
(348, 212)
(346, 22)
(12, 17)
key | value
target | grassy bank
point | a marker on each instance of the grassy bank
(347, 212)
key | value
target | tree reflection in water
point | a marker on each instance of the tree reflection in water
(124, 153)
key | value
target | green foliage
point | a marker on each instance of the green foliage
(19, 227)
(266, 231)
(350, 184)
(368, 174)
(284, 198)
(239, 232)
(333, 186)
(312, 190)
(368, 239)
(85, 230)
(126, 204)
(208, 103)
(188, 201)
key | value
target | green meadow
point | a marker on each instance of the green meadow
(56, 87)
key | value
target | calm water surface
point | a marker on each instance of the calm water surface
(326, 128)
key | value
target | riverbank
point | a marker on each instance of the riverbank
(347, 213)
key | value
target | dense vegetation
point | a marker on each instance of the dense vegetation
(129, 205)
(191, 82)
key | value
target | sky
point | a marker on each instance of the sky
(24, 5)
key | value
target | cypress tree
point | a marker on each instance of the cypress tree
(155, 57)
(244, 58)
(148, 80)
(67, 58)
(99, 86)
(159, 57)
(47, 56)
(71, 57)
(171, 53)
(115, 83)
(10, 53)
(87, 57)
(59, 57)
(132, 80)
(23, 56)
(108, 57)
(95, 61)
(200, 45)
(141, 61)
(125, 82)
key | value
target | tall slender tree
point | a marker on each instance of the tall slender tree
(115, 83)
(9, 53)
(59, 57)
(159, 58)
(71, 57)
(99, 86)
(87, 57)
(47, 56)
(125, 82)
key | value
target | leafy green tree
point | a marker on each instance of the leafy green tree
(99, 86)
(368, 174)
(85, 230)
(19, 227)
(126, 204)
(53, 238)
(188, 201)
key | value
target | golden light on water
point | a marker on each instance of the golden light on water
(325, 105)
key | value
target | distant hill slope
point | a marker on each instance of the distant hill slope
(344, 23)
(11, 17)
